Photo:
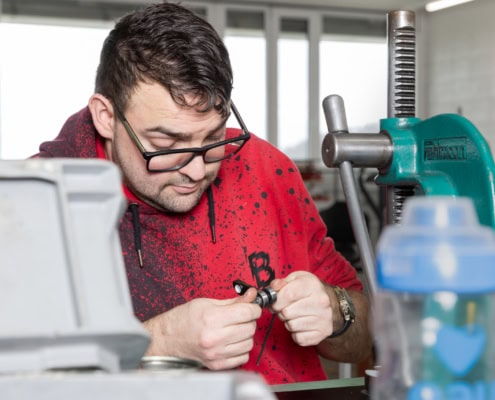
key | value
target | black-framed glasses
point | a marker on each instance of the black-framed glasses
(175, 159)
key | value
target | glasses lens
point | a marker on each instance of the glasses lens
(175, 161)
(222, 152)
(169, 162)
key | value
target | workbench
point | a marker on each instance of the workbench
(331, 389)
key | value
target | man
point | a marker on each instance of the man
(210, 205)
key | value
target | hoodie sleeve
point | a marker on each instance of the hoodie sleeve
(325, 261)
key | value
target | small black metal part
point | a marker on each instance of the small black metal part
(265, 297)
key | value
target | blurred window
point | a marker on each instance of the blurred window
(48, 66)
(293, 88)
(245, 39)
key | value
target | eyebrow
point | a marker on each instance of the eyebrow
(182, 135)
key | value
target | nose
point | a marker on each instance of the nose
(195, 169)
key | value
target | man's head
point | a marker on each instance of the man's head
(164, 83)
(170, 45)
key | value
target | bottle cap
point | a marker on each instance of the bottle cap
(439, 246)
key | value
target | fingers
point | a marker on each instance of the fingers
(228, 334)
(296, 287)
(307, 323)
(237, 340)
(308, 330)
(229, 345)
(228, 341)
(304, 306)
(308, 338)
(217, 333)
(240, 356)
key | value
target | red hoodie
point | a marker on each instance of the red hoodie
(265, 224)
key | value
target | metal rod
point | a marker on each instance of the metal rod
(363, 150)
(333, 107)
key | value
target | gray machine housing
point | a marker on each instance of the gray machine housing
(67, 324)
(64, 297)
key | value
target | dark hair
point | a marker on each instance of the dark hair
(168, 44)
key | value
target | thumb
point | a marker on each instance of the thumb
(278, 284)
(247, 297)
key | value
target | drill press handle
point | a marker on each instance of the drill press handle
(333, 107)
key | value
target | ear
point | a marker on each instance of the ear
(103, 114)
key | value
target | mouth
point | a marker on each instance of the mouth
(183, 189)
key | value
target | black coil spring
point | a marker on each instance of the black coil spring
(400, 195)
(405, 72)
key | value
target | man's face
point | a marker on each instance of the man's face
(161, 124)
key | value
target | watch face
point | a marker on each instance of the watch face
(346, 308)
(346, 305)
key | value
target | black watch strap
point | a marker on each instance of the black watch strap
(346, 308)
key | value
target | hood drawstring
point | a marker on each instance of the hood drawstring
(133, 207)
(137, 232)
(211, 214)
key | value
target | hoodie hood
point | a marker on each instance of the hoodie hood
(89, 144)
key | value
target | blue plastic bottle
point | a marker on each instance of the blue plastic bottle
(434, 319)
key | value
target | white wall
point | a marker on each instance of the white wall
(458, 64)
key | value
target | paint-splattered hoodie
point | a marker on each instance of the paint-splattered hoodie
(265, 226)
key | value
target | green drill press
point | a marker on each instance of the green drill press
(442, 155)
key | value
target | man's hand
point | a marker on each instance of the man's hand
(217, 333)
(304, 305)
(311, 312)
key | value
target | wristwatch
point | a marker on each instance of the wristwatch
(346, 308)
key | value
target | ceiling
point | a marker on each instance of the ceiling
(375, 5)
(64, 6)
(111, 9)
